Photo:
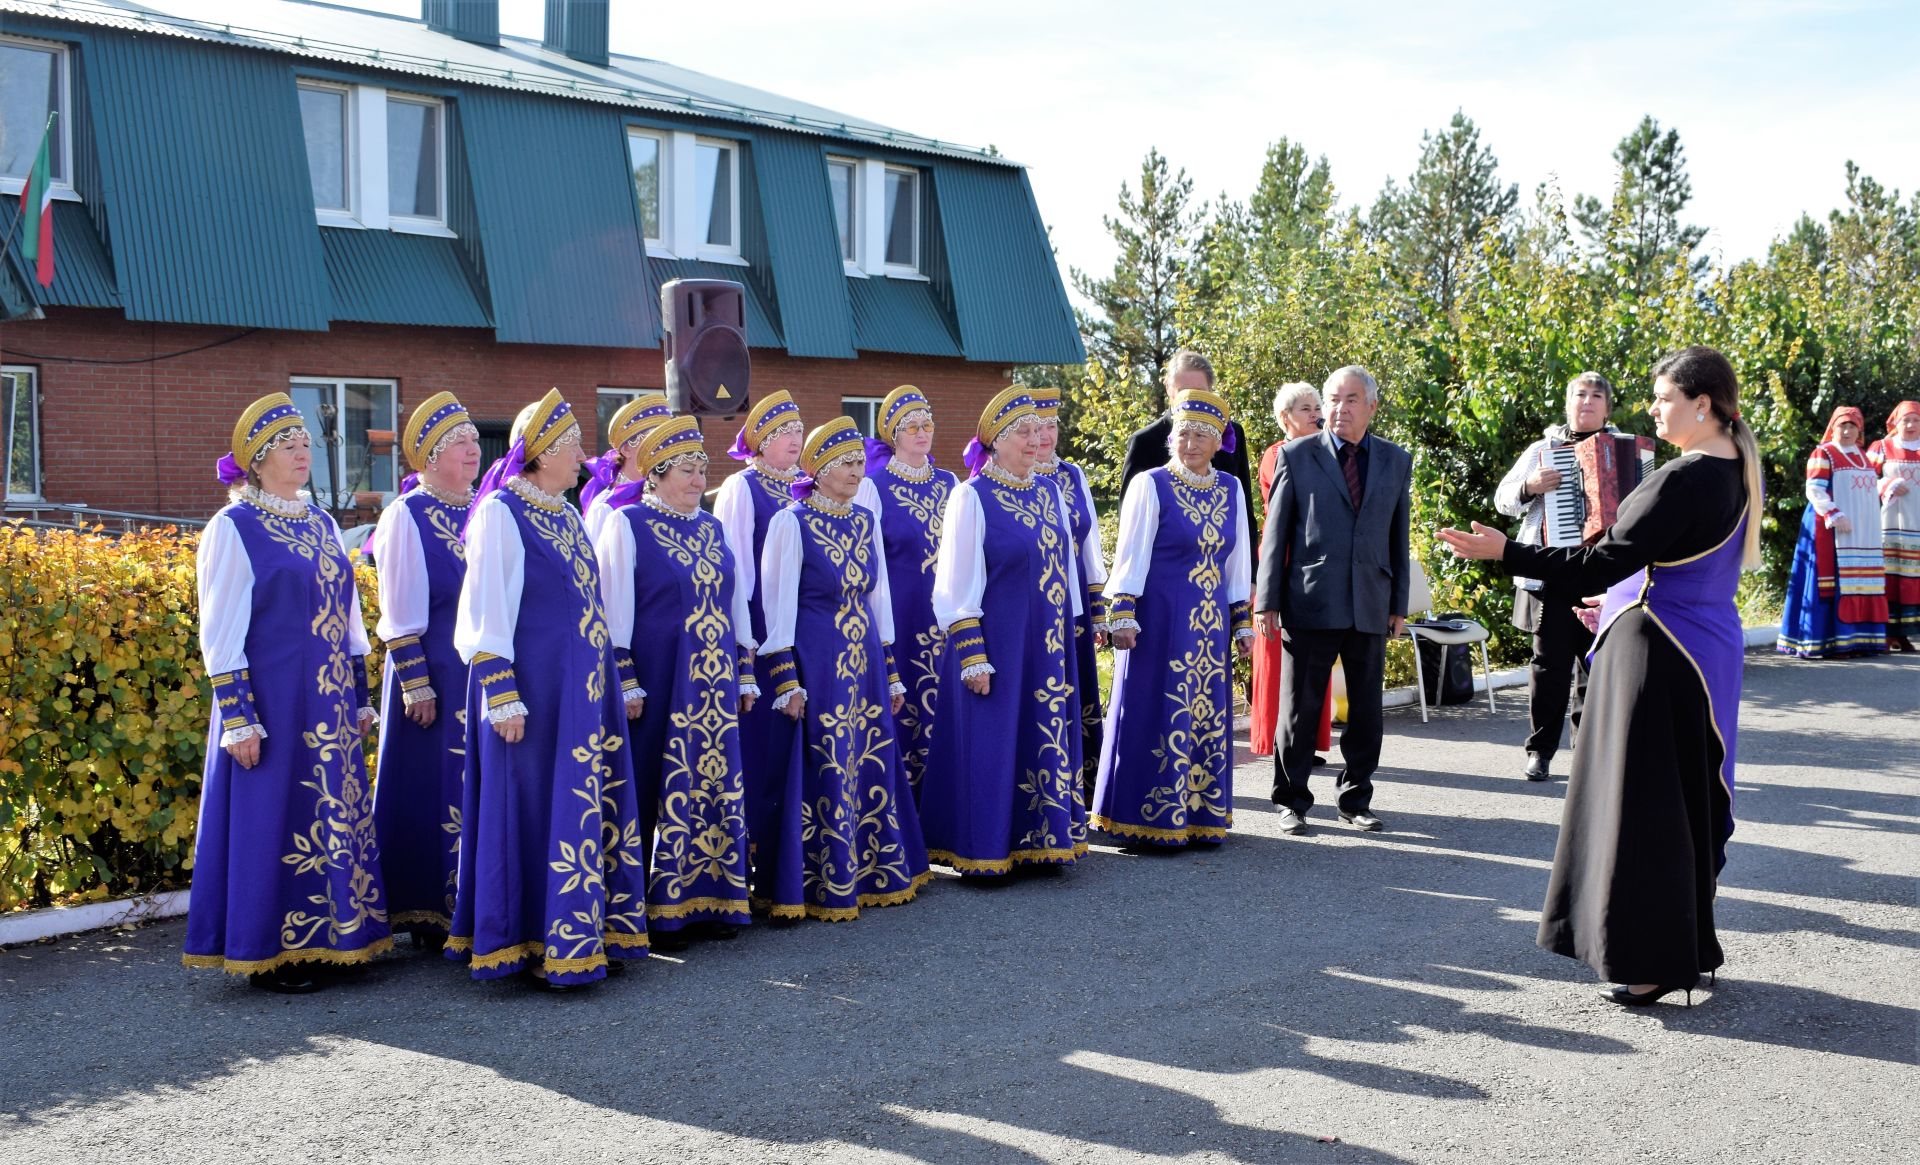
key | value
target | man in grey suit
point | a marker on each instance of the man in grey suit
(1333, 582)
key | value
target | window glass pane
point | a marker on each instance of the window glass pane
(365, 407)
(902, 218)
(865, 411)
(323, 114)
(840, 180)
(308, 399)
(29, 87)
(20, 421)
(413, 159)
(643, 154)
(714, 171)
(610, 401)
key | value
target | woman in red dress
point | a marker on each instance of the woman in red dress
(1297, 408)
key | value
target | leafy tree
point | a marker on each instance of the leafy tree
(1433, 225)
(1642, 221)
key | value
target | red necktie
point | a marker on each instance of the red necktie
(1350, 465)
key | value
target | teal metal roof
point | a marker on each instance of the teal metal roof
(565, 260)
(801, 245)
(386, 277)
(354, 37)
(204, 176)
(1005, 284)
(762, 332)
(900, 315)
(82, 272)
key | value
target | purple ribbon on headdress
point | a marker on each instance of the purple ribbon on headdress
(228, 470)
(1228, 442)
(878, 454)
(976, 457)
(408, 482)
(741, 451)
(802, 488)
(624, 493)
(495, 477)
(600, 473)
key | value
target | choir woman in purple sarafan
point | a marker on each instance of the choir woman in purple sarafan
(1179, 592)
(1002, 787)
(286, 872)
(679, 620)
(1090, 627)
(908, 493)
(614, 478)
(1649, 806)
(552, 875)
(423, 755)
(769, 442)
(835, 829)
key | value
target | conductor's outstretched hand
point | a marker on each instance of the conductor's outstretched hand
(1484, 542)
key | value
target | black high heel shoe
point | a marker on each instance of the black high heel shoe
(1627, 997)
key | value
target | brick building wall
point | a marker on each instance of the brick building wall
(145, 436)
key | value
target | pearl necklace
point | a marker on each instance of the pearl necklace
(828, 505)
(653, 501)
(1193, 479)
(902, 470)
(452, 501)
(1007, 477)
(533, 495)
(273, 503)
(787, 474)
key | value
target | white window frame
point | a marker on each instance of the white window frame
(856, 199)
(683, 222)
(32, 373)
(656, 245)
(872, 405)
(870, 223)
(329, 216)
(366, 146)
(62, 184)
(408, 223)
(338, 385)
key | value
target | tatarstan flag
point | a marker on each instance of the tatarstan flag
(36, 210)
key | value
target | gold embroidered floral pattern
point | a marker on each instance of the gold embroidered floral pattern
(702, 814)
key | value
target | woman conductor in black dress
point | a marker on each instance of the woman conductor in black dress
(1650, 804)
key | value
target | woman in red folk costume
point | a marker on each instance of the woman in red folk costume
(1837, 594)
(1896, 457)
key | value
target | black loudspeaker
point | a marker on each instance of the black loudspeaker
(703, 335)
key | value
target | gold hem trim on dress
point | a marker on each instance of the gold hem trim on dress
(699, 905)
(364, 954)
(1019, 857)
(1154, 833)
(418, 918)
(845, 913)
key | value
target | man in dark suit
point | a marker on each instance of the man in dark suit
(1334, 575)
(1147, 449)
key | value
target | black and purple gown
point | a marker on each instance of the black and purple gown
(1182, 575)
(1003, 783)
(837, 829)
(1649, 805)
(416, 796)
(286, 868)
(910, 504)
(552, 875)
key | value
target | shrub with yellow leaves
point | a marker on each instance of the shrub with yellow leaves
(104, 711)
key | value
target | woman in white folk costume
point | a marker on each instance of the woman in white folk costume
(552, 876)
(422, 564)
(614, 478)
(286, 873)
(1836, 604)
(678, 617)
(1179, 609)
(908, 494)
(769, 442)
(1897, 458)
(1002, 786)
(1090, 626)
(837, 830)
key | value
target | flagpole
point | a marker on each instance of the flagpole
(20, 210)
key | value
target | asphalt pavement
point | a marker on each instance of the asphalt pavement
(1338, 997)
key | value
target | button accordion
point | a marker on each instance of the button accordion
(1594, 475)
